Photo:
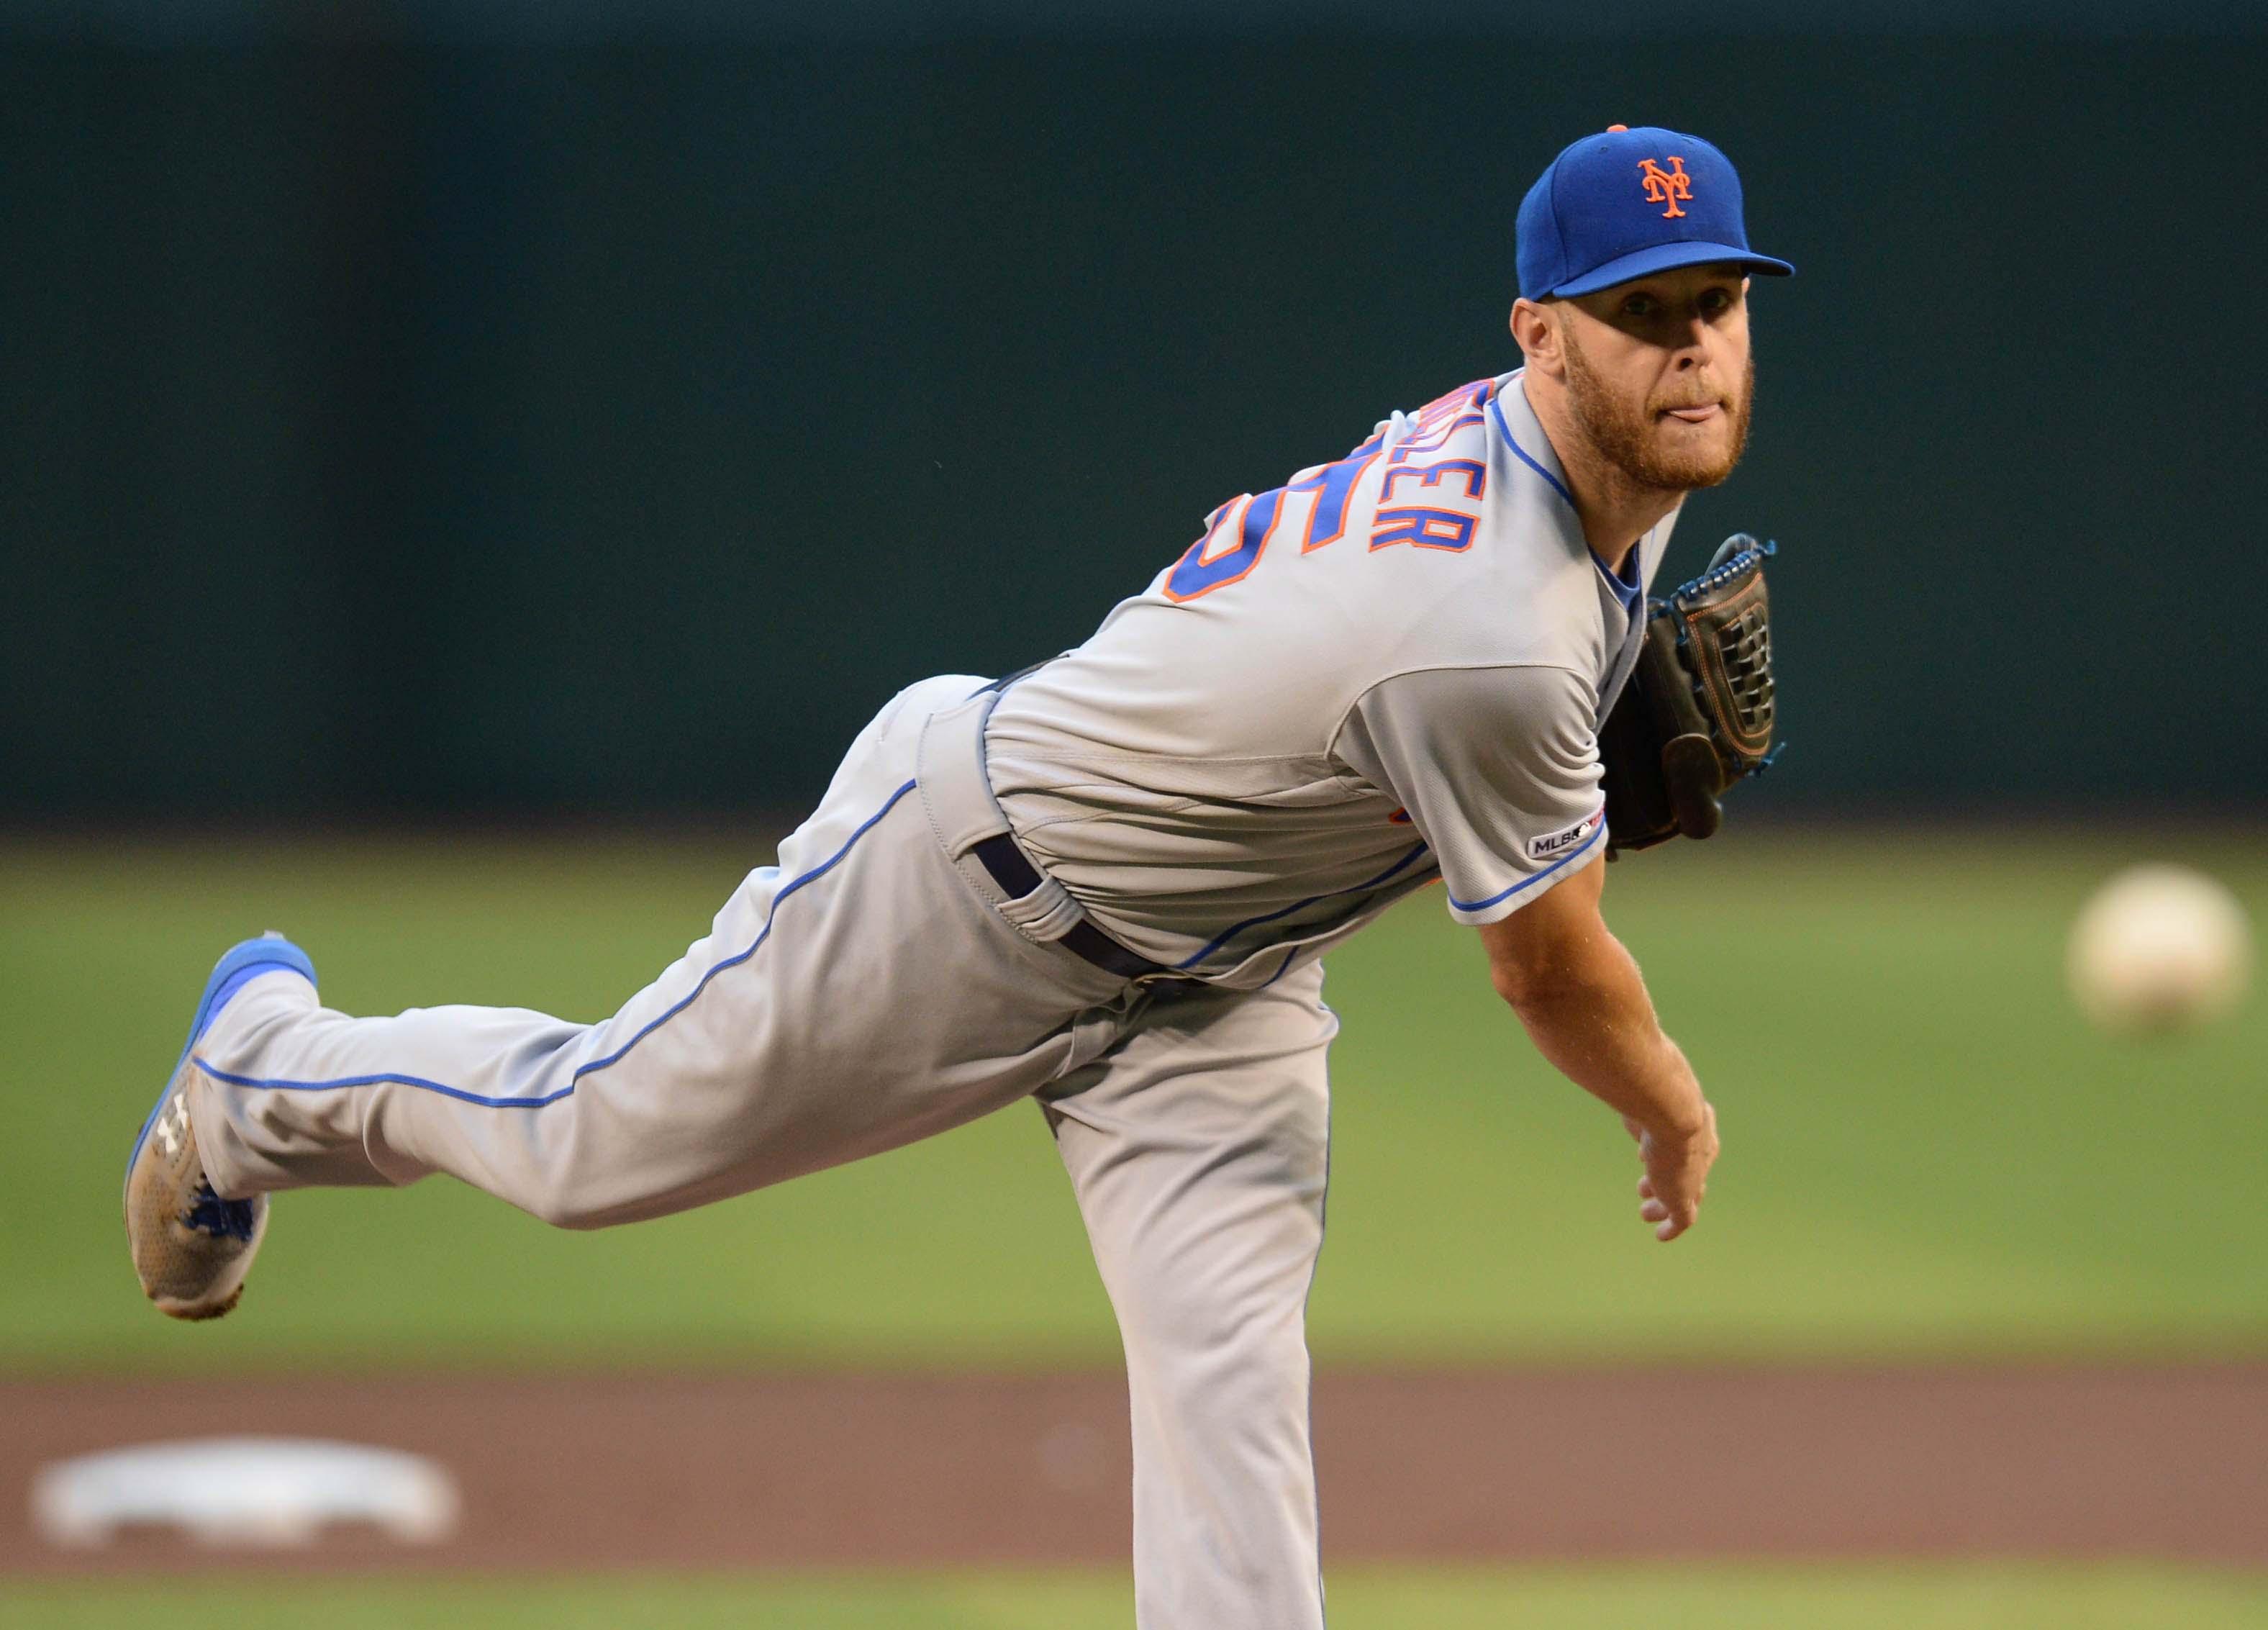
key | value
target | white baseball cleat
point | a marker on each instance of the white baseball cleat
(191, 1248)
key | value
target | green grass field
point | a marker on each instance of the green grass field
(1943, 1598)
(1925, 1153)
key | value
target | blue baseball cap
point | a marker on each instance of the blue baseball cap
(1626, 204)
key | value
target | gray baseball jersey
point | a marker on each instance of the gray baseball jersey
(1390, 669)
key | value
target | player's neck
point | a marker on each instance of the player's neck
(1614, 510)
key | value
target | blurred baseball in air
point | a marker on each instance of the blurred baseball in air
(2159, 947)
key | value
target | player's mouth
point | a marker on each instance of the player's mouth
(1700, 414)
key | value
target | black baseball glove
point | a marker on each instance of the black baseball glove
(1697, 714)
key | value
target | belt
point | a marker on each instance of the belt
(957, 792)
(1017, 877)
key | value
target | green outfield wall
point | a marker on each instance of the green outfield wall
(444, 426)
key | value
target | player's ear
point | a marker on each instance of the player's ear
(1536, 329)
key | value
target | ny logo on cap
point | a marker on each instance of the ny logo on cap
(1666, 185)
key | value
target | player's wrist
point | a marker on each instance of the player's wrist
(1682, 1123)
(1682, 1114)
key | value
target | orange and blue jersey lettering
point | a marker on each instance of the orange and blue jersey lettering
(1237, 533)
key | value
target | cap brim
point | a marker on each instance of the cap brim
(1662, 256)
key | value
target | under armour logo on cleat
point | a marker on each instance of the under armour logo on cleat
(172, 1128)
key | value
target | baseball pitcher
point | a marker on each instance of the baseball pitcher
(1107, 883)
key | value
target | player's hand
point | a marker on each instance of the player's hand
(1676, 1172)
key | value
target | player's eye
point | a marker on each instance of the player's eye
(1716, 302)
(1639, 305)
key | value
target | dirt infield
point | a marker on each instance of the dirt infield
(676, 1470)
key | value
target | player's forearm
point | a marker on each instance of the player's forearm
(1588, 1013)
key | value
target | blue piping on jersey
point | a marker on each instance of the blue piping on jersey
(596, 1065)
(1280, 972)
(458, 1093)
(1230, 933)
(1495, 406)
(1497, 899)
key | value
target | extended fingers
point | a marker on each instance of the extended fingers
(1673, 1203)
(1669, 1220)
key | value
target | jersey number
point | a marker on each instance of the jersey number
(1239, 531)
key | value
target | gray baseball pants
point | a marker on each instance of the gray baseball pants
(872, 989)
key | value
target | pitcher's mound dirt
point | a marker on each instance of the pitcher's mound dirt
(847, 1470)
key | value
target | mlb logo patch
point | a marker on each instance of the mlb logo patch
(1559, 842)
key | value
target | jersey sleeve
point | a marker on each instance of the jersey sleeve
(1499, 770)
